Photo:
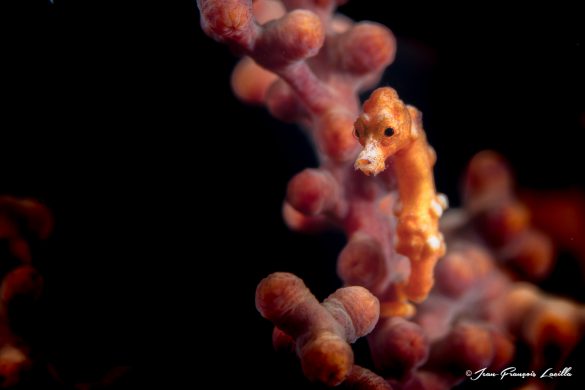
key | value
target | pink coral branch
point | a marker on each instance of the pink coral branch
(307, 65)
(321, 332)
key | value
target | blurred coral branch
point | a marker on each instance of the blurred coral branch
(23, 222)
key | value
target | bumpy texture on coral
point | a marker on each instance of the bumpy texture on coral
(307, 64)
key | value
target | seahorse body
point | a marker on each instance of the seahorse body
(389, 129)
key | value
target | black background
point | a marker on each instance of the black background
(167, 191)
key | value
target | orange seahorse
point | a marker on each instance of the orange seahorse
(389, 129)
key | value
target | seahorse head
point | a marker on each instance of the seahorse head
(383, 128)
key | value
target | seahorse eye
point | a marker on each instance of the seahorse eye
(389, 132)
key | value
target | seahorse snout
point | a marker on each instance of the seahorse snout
(371, 159)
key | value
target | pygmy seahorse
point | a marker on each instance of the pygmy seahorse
(389, 129)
